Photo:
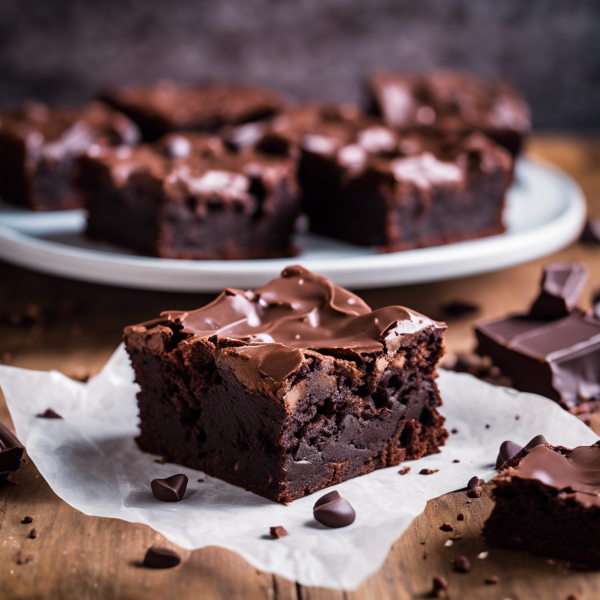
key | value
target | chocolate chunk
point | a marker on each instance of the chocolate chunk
(491, 580)
(11, 452)
(278, 532)
(404, 470)
(475, 482)
(171, 489)
(446, 527)
(457, 308)
(591, 232)
(439, 587)
(562, 284)
(49, 414)
(428, 471)
(332, 510)
(33, 534)
(508, 450)
(461, 564)
(26, 520)
(158, 557)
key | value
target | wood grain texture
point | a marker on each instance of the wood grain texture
(81, 557)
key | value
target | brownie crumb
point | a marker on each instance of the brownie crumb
(456, 460)
(454, 431)
(446, 527)
(49, 414)
(439, 587)
(404, 470)
(278, 532)
(487, 426)
(200, 480)
(428, 471)
(26, 520)
(460, 517)
(517, 417)
(33, 534)
(461, 564)
(491, 580)
(476, 492)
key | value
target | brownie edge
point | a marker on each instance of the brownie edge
(290, 388)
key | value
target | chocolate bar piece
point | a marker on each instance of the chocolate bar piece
(11, 452)
(452, 102)
(290, 388)
(39, 147)
(547, 502)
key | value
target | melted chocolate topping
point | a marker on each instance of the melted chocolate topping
(576, 472)
(302, 310)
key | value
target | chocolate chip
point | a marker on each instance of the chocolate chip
(460, 517)
(458, 308)
(439, 587)
(538, 440)
(171, 489)
(461, 564)
(491, 580)
(475, 482)
(508, 450)
(404, 470)
(158, 557)
(26, 520)
(278, 532)
(33, 534)
(591, 232)
(332, 510)
(49, 414)
(446, 527)
(476, 492)
(428, 471)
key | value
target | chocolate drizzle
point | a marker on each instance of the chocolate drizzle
(302, 310)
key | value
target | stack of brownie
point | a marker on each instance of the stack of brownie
(428, 163)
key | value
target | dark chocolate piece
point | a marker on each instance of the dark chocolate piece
(451, 102)
(48, 414)
(171, 489)
(561, 286)
(538, 440)
(475, 482)
(40, 146)
(440, 587)
(206, 203)
(11, 452)
(548, 502)
(334, 511)
(278, 532)
(158, 557)
(591, 232)
(272, 389)
(508, 450)
(458, 308)
(461, 564)
(165, 106)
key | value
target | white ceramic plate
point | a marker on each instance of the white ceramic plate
(546, 211)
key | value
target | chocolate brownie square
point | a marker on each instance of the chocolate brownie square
(161, 107)
(188, 197)
(39, 147)
(452, 102)
(547, 502)
(289, 388)
(365, 183)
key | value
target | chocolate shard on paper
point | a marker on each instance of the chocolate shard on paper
(158, 557)
(49, 414)
(11, 452)
(562, 284)
(171, 489)
(278, 532)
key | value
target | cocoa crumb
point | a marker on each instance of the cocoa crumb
(26, 520)
(446, 527)
(491, 580)
(460, 517)
(428, 471)
(404, 470)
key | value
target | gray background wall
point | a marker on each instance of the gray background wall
(63, 50)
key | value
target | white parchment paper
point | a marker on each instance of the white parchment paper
(91, 461)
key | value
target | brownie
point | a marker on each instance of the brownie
(187, 196)
(453, 102)
(548, 502)
(552, 350)
(290, 388)
(165, 106)
(39, 147)
(366, 184)
(11, 453)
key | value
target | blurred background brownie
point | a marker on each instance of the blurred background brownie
(289, 388)
(39, 147)
(187, 196)
(453, 102)
(165, 106)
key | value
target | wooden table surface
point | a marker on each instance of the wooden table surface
(75, 556)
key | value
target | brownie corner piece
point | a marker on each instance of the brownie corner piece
(290, 388)
(547, 502)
